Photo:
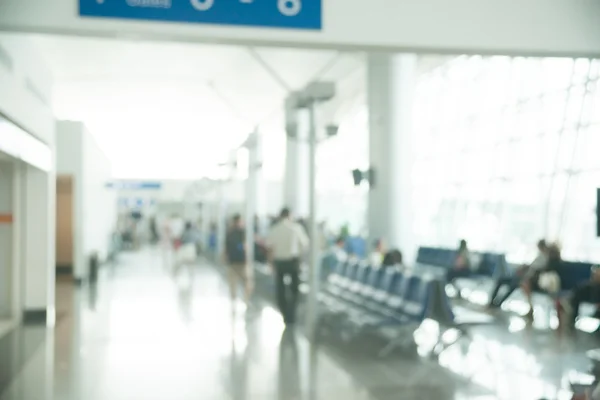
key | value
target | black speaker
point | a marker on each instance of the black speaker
(357, 175)
(372, 177)
(598, 212)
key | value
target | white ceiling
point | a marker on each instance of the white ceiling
(169, 110)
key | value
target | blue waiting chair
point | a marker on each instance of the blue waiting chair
(338, 273)
(406, 305)
(373, 298)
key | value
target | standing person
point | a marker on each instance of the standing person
(286, 241)
(236, 259)
(186, 251)
(212, 240)
(153, 230)
(166, 241)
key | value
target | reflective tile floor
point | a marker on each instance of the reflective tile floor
(141, 334)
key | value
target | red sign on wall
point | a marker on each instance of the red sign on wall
(6, 219)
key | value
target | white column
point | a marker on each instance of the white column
(261, 186)
(391, 80)
(251, 194)
(6, 238)
(17, 227)
(221, 218)
(315, 264)
(38, 237)
(290, 178)
(296, 182)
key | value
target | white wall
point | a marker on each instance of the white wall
(18, 282)
(38, 240)
(99, 202)
(95, 206)
(25, 94)
(526, 27)
(25, 88)
(6, 238)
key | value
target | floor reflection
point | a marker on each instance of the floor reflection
(289, 369)
(238, 365)
(93, 294)
(141, 334)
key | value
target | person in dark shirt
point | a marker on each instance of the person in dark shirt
(588, 292)
(462, 266)
(236, 259)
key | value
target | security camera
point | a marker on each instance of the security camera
(331, 130)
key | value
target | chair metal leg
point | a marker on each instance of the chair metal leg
(404, 337)
(441, 346)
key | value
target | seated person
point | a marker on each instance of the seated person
(531, 281)
(339, 249)
(523, 272)
(591, 394)
(393, 258)
(462, 265)
(588, 292)
(378, 253)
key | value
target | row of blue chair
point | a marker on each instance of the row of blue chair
(358, 298)
(491, 265)
(573, 274)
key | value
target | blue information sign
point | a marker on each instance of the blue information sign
(134, 185)
(293, 14)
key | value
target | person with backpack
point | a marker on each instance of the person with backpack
(236, 259)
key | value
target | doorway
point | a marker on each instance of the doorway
(64, 225)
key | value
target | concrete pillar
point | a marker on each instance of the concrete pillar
(391, 80)
(261, 186)
(7, 205)
(251, 195)
(38, 237)
(296, 168)
(222, 223)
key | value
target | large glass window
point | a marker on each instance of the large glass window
(506, 154)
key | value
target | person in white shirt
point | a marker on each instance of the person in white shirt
(339, 249)
(378, 253)
(524, 273)
(287, 241)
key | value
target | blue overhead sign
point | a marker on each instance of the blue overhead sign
(292, 14)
